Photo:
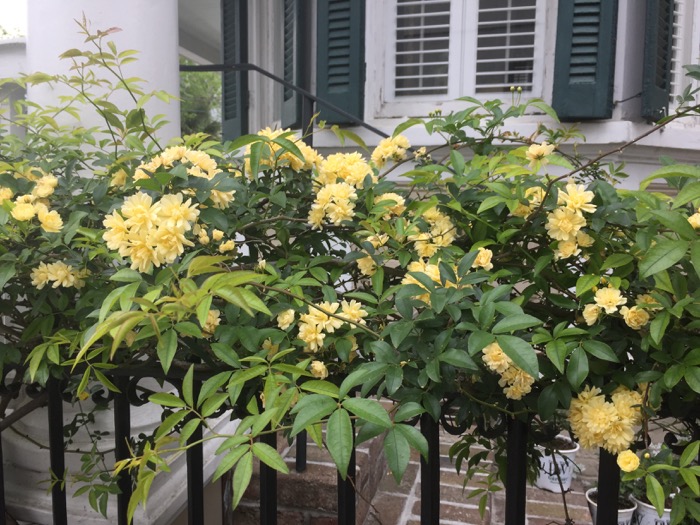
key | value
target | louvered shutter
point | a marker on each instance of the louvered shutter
(340, 57)
(658, 52)
(234, 33)
(584, 63)
(291, 101)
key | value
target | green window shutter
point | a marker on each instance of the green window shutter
(340, 61)
(658, 41)
(584, 60)
(234, 31)
(291, 101)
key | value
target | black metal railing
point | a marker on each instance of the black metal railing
(515, 485)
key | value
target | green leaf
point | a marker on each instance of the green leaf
(321, 387)
(169, 423)
(229, 460)
(521, 352)
(126, 275)
(408, 410)
(211, 385)
(213, 403)
(655, 493)
(662, 255)
(368, 410)
(397, 452)
(556, 352)
(676, 222)
(339, 440)
(695, 256)
(616, 260)
(515, 322)
(689, 453)
(167, 400)
(187, 386)
(241, 477)
(692, 377)
(577, 369)
(688, 193)
(415, 438)
(368, 373)
(166, 349)
(270, 457)
(671, 172)
(310, 410)
(458, 358)
(7, 271)
(600, 350)
(585, 283)
(244, 299)
(658, 326)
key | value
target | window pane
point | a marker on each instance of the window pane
(422, 47)
(505, 45)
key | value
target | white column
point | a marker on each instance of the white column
(150, 27)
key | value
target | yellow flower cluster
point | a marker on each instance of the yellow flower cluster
(276, 158)
(6, 194)
(213, 320)
(539, 153)
(564, 224)
(35, 204)
(608, 299)
(59, 274)
(441, 233)
(335, 202)
(201, 165)
(351, 168)
(149, 233)
(608, 424)
(392, 148)
(314, 326)
(515, 382)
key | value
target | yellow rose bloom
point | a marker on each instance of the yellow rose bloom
(577, 199)
(566, 249)
(564, 224)
(40, 276)
(353, 311)
(635, 317)
(539, 152)
(285, 319)
(495, 358)
(217, 235)
(5, 193)
(483, 259)
(609, 299)
(312, 335)
(628, 461)
(367, 266)
(319, 370)
(694, 220)
(392, 148)
(23, 211)
(397, 209)
(227, 246)
(591, 313)
(213, 320)
(50, 220)
(584, 240)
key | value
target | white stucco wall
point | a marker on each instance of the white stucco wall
(151, 27)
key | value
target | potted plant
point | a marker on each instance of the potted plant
(665, 485)
(556, 459)
(625, 506)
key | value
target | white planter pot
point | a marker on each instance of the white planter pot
(547, 477)
(624, 516)
(646, 515)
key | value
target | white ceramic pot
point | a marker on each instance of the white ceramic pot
(547, 477)
(624, 516)
(646, 515)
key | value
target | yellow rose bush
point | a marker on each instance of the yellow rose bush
(499, 277)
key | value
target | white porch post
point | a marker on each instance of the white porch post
(149, 27)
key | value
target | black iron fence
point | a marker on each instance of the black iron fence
(515, 485)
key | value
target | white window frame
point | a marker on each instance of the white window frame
(380, 58)
(688, 48)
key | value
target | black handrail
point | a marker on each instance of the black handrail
(305, 93)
